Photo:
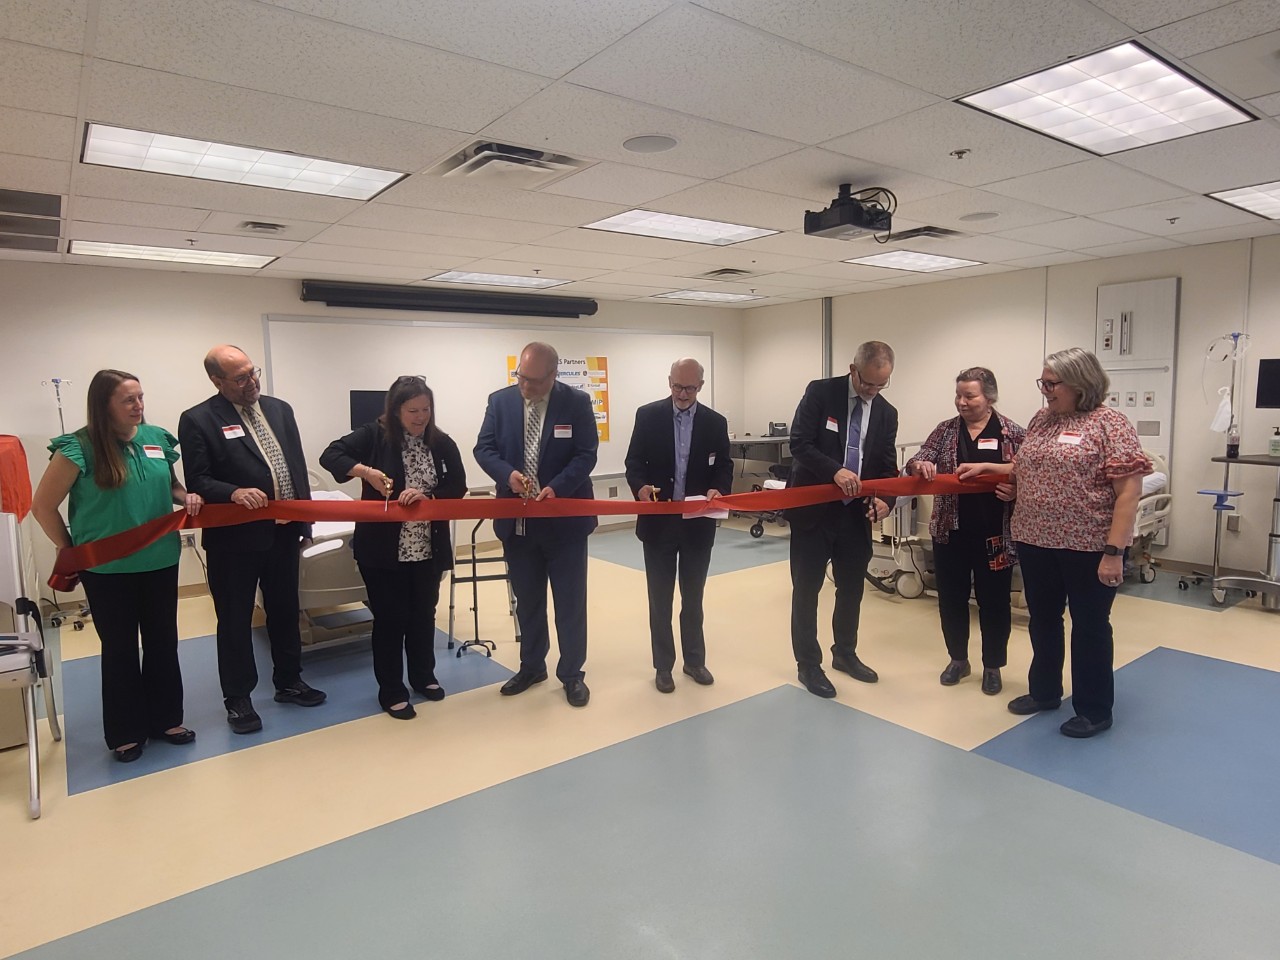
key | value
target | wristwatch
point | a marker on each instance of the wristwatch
(1111, 550)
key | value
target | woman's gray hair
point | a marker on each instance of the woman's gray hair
(983, 377)
(1080, 370)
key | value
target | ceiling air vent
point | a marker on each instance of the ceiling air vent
(726, 273)
(261, 227)
(934, 233)
(500, 164)
(29, 221)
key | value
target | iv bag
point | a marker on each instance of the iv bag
(1222, 418)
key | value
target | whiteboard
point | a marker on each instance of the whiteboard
(313, 364)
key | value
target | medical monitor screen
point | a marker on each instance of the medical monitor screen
(1269, 384)
(366, 406)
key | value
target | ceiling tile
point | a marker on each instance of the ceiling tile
(232, 224)
(1051, 259)
(620, 183)
(349, 236)
(47, 23)
(662, 281)
(1151, 245)
(29, 134)
(437, 223)
(1218, 160)
(1086, 187)
(816, 174)
(1217, 28)
(549, 37)
(948, 49)
(753, 260)
(133, 214)
(947, 209)
(626, 244)
(38, 79)
(1245, 231)
(1077, 233)
(680, 60)
(456, 196)
(608, 291)
(796, 244)
(548, 257)
(340, 269)
(853, 272)
(733, 204)
(40, 255)
(985, 249)
(1248, 68)
(526, 268)
(35, 174)
(1188, 213)
(1148, 14)
(249, 44)
(423, 263)
(923, 142)
(152, 100)
(1267, 106)
(593, 125)
(153, 237)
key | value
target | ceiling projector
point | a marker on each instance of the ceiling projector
(851, 216)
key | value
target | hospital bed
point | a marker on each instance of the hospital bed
(1155, 507)
(328, 577)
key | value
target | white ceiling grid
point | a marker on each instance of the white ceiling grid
(772, 105)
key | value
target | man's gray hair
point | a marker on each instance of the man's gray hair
(684, 360)
(1080, 370)
(544, 350)
(873, 353)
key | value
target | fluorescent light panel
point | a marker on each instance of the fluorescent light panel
(1110, 101)
(495, 279)
(915, 262)
(706, 295)
(207, 160)
(130, 251)
(1262, 199)
(668, 226)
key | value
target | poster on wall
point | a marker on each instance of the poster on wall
(588, 374)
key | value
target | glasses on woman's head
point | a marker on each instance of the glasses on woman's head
(1048, 386)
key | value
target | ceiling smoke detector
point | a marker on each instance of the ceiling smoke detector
(500, 164)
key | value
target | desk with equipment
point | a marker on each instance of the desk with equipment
(773, 449)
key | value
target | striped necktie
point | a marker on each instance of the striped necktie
(532, 439)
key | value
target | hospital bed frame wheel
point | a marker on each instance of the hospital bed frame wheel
(1147, 574)
(909, 586)
(757, 529)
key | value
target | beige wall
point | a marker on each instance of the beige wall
(783, 352)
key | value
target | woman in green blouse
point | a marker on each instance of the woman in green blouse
(118, 473)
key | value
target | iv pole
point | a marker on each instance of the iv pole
(77, 619)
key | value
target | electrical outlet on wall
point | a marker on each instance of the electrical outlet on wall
(188, 540)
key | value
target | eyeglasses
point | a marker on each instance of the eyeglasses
(243, 380)
(868, 384)
(522, 378)
(685, 387)
(1048, 386)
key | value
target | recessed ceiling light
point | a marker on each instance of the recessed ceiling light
(707, 295)
(130, 251)
(495, 279)
(915, 262)
(980, 215)
(649, 144)
(668, 226)
(1114, 100)
(1262, 199)
(207, 160)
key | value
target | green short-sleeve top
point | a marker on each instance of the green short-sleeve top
(147, 493)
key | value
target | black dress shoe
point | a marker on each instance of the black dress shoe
(128, 754)
(1027, 704)
(1082, 728)
(700, 675)
(241, 716)
(854, 668)
(576, 692)
(815, 681)
(521, 682)
(433, 692)
(662, 680)
(405, 712)
(300, 693)
(182, 737)
(991, 683)
(955, 671)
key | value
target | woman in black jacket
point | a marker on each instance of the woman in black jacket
(402, 455)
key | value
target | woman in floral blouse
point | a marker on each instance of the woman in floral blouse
(1079, 475)
(971, 542)
(403, 456)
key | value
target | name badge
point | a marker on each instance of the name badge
(231, 431)
(153, 452)
(1071, 438)
(832, 425)
(711, 460)
(563, 431)
(988, 443)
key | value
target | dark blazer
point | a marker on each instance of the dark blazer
(564, 463)
(378, 544)
(215, 465)
(651, 459)
(817, 450)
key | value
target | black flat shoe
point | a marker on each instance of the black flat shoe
(955, 671)
(854, 668)
(663, 681)
(128, 754)
(405, 712)
(991, 683)
(434, 692)
(182, 737)
(1081, 728)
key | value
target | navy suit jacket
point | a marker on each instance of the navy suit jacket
(651, 459)
(565, 461)
(216, 465)
(818, 446)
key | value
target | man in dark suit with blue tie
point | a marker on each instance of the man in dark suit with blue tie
(242, 447)
(539, 441)
(843, 431)
(679, 449)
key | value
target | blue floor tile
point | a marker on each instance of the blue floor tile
(734, 550)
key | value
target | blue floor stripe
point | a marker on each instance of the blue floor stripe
(344, 672)
(734, 550)
(1194, 745)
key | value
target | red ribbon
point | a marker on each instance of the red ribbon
(74, 559)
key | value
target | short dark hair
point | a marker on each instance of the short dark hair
(399, 393)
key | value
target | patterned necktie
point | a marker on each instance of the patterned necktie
(853, 449)
(532, 437)
(275, 459)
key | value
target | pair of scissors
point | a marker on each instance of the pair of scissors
(387, 484)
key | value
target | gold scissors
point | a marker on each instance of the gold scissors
(387, 484)
(528, 487)
(653, 494)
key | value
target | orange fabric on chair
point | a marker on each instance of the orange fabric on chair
(15, 479)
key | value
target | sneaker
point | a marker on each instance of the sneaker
(241, 716)
(300, 693)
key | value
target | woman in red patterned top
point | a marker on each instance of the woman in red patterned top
(1079, 475)
(972, 548)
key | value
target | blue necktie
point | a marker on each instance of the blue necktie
(853, 448)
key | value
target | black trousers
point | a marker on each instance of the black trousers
(844, 539)
(1054, 580)
(139, 699)
(533, 561)
(234, 578)
(403, 600)
(682, 550)
(958, 564)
